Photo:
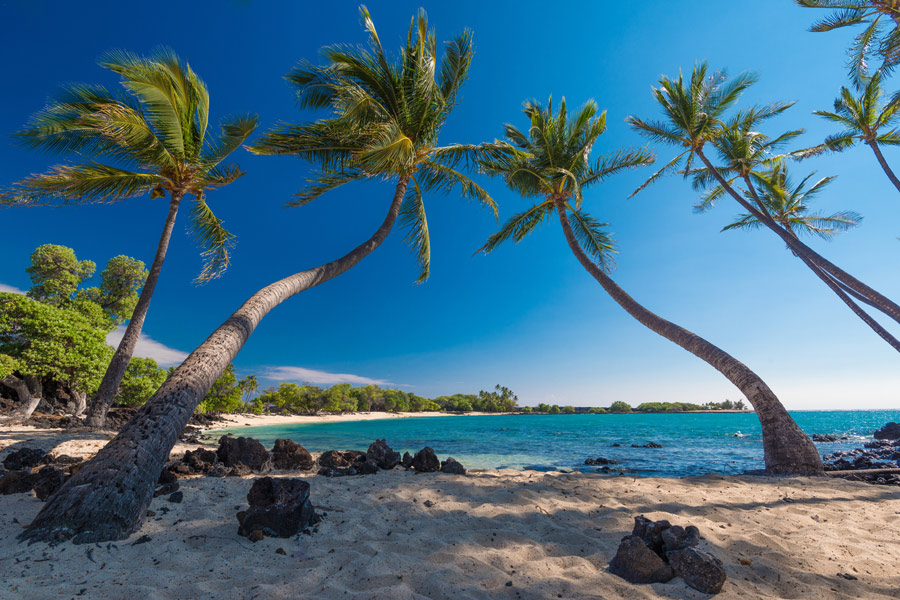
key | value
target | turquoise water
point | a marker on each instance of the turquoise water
(693, 444)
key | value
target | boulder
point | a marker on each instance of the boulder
(407, 460)
(451, 465)
(600, 461)
(635, 562)
(366, 467)
(24, 458)
(336, 459)
(166, 476)
(700, 570)
(166, 488)
(44, 482)
(648, 445)
(200, 460)
(891, 431)
(289, 455)
(678, 538)
(244, 451)
(383, 455)
(278, 508)
(15, 482)
(237, 470)
(651, 532)
(425, 461)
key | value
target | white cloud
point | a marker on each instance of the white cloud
(10, 289)
(318, 377)
(148, 348)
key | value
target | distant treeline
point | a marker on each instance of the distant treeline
(620, 407)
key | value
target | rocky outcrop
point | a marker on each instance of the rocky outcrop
(44, 482)
(451, 465)
(24, 458)
(244, 451)
(827, 437)
(289, 455)
(600, 461)
(657, 551)
(278, 508)
(891, 431)
(425, 461)
(383, 455)
(201, 460)
(407, 460)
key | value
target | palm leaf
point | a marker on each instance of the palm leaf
(214, 240)
(415, 222)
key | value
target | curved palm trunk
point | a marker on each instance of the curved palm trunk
(788, 451)
(108, 498)
(116, 370)
(884, 165)
(876, 299)
(834, 285)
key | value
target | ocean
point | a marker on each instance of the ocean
(692, 443)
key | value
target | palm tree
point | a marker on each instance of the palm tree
(556, 171)
(864, 119)
(695, 113)
(151, 139)
(747, 157)
(385, 120)
(878, 38)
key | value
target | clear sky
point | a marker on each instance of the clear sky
(526, 316)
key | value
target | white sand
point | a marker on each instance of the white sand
(247, 420)
(551, 535)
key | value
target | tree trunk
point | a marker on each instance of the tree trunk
(30, 392)
(877, 300)
(830, 281)
(109, 387)
(787, 450)
(884, 165)
(108, 497)
(80, 403)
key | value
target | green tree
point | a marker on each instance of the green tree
(43, 342)
(695, 115)
(556, 170)
(153, 139)
(385, 120)
(56, 274)
(568, 410)
(248, 386)
(596, 410)
(142, 377)
(120, 285)
(619, 407)
(880, 37)
(224, 396)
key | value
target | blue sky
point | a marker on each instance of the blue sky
(526, 316)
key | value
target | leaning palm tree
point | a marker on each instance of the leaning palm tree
(747, 157)
(880, 37)
(556, 170)
(385, 119)
(153, 139)
(865, 119)
(695, 116)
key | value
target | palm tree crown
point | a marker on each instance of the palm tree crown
(554, 165)
(151, 139)
(788, 204)
(385, 117)
(880, 36)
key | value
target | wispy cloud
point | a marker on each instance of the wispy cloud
(148, 348)
(10, 289)
(318, 377)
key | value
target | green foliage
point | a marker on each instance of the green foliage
(568, 410)
(152, 139)
(224, 396)
(58, 343)
(596, 410)
(619, 407)
(120, 286)
(553, 163)
(554, 410)
(56, 274)
(142, 378)
(8, 365)
(385, 117)
(542, 408)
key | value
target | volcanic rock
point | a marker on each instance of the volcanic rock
(425, 461)
(637, 563)
(451, 465)
(383, 455)
(278, 508)
(289, 455)
(24, 458)
(891, 431)
(700, 570)
(244, 451)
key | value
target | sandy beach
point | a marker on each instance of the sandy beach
(250, 420)
(492, 534)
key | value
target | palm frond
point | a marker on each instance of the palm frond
(434, 176)
(518, 226)
(671, 166)
(86, 183)
(321, 182)
(214, 240)
(611, 164)
(593, 238)
(235, 132)
(415, 222)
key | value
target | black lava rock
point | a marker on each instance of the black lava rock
(451, 465)
(278, 508)
(891, 431)
(24, 458)
(425, 461)
(407, 460)
(289, 455)
(635, 562)
(383, 455)
(244, 451)
(700, 570)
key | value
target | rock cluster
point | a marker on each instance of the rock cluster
(380, 456)
(827, 437)
(891, 431)
(600, 461)
(657, 551)
(882, 453)
(278, 508)
(32, 469)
